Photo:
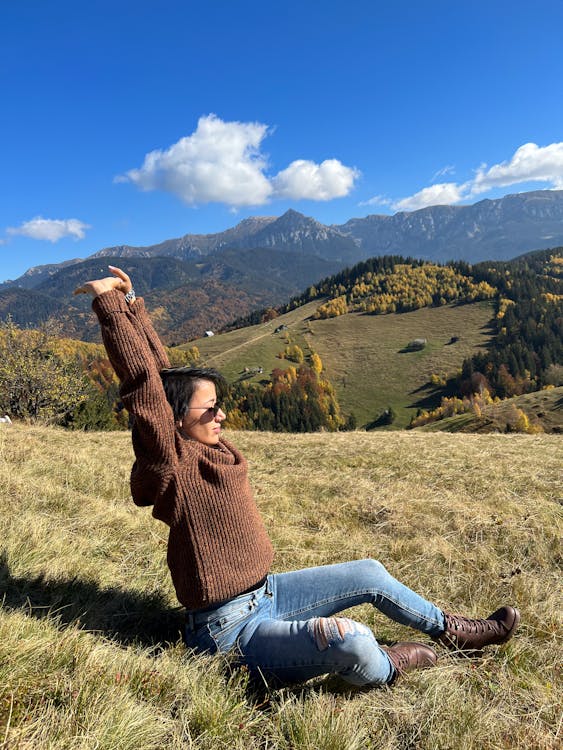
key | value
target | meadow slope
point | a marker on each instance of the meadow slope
(543, 408)
(364, 356)
(90, 653)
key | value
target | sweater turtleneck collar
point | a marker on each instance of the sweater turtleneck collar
(214, 453)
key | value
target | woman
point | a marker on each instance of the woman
(219, 554)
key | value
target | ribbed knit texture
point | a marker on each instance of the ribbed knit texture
(217, 545)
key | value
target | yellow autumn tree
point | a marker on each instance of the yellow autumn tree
(332, 308)
(36, 382)
(294, 353)
(316, 363)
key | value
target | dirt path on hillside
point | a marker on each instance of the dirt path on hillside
(291, 319)
(239, 346)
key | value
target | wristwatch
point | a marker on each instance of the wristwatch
(130, 296)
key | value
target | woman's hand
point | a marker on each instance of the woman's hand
(119, 281)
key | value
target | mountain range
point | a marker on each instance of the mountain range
(204, 281)
(488, 230)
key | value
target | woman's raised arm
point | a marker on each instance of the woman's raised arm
(137, 356)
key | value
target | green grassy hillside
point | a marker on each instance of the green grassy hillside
(366, 360)
(90, 653)
(363, 355)
(254, 346)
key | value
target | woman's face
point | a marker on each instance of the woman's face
(200, 423)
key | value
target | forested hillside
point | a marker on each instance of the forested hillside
(525, 350)
(186, 297)
(452, 339)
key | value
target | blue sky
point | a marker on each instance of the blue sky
(133, 122)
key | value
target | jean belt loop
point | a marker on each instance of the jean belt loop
(268, 588)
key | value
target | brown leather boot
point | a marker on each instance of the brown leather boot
(464, 634)
(407, 655)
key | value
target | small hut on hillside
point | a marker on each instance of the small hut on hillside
(416, 345)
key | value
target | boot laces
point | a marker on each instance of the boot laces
(399, 659)
(467, 625)
(402, 661)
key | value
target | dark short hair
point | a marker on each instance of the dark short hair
(180, 384)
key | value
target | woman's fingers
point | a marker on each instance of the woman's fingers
(118, 272)
(120, 280)
(88, 287)
(99, 286)
(123, 276)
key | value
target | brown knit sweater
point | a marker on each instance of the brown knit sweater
(217, 545)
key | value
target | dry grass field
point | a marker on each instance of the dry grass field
(90, 651)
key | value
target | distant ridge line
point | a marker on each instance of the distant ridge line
(491, 229)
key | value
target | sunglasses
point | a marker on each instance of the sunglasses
(211, 409)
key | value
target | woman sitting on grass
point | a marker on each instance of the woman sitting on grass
(281, 625)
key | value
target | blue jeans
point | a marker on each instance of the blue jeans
(286, 629)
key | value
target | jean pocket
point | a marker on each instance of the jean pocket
(224, 630)
(200, 640)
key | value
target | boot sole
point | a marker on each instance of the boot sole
(513, 627)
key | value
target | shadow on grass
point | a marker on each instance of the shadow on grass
(425, 387)
(125, 617)
(430, 401)
(409, 350)
(269, 698)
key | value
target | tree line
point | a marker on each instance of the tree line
(527, 348)
(407, 287)
(297, 399)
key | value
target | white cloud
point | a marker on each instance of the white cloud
(377, 200)
(317, 182)
(448, 169)
(530, 163)
(222, 162)
(435, 195)
(52, 230)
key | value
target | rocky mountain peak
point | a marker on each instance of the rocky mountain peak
(490, 229)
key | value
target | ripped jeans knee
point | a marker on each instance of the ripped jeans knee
(332, 631)
(297, 650)
(352, 649)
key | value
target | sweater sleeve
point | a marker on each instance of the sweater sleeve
(137, 356)
(139, 311)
